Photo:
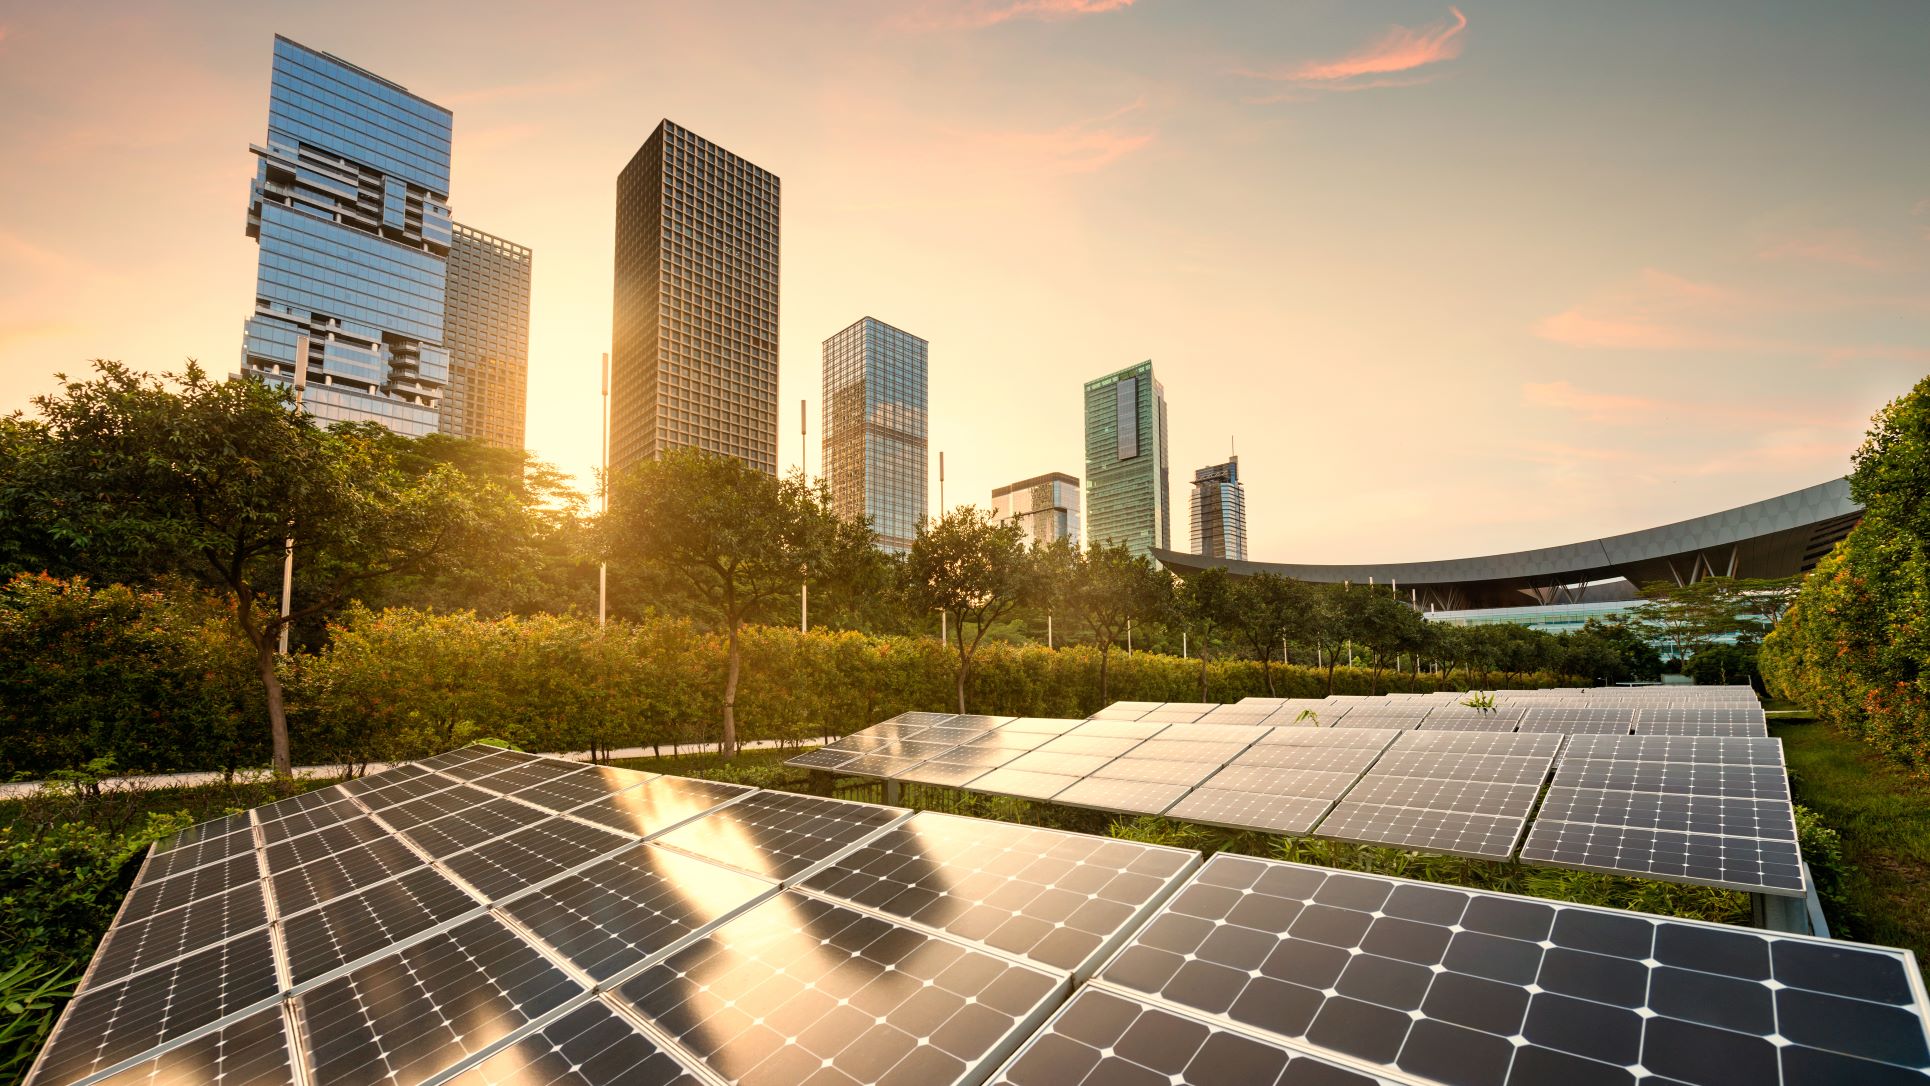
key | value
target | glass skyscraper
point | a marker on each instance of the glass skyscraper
(486, 322)
(1127, 499)
(693, 347)
(350, 204)
(1219, 511)
(1046, 507)
(876, 460)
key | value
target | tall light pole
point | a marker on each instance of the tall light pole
(603, 502)
(288, 544)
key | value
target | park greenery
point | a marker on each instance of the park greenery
(1855, 644)
(442, 588)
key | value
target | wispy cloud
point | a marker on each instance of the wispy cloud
(973, 14)
(1392, 60)
(1079, 147)
(1845, 248)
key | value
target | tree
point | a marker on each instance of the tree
(973, 569)
(1329, 623)
(1268, 611)
(738, 541)
(1386, 626)
(134, 476)
(1608, 652)
(1110, 587)
(1206, 605)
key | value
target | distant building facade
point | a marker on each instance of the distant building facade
(350, 205)
(1219, 511)
(693, 347)
(1045, 506)
(1128, 498)
(876, 451)
(486, 327)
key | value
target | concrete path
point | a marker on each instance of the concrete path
(23, 789)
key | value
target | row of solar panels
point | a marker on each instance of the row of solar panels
(1565, 716)
(490, 918)
(1706, 810)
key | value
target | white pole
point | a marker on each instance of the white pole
(803, 460)
(1048, 629)
(288, 543)
(1182, 644)
(944, 636)
(804, 609)
(603, 502)
(1129, 637)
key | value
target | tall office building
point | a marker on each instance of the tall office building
(486, 327)
(1219, 511)
(1127, 499)
(1046, 507)
(876, 460)
(350, 204)
(693, 347)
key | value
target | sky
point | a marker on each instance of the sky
(1452, 279)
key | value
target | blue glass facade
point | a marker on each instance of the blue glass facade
(1127, 498)
(876, 452)
(1219, 511)
(350, 205)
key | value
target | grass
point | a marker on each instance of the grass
(1883, 816)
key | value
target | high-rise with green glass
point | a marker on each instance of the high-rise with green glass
(1127, 491)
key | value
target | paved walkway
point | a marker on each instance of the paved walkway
(22, 789)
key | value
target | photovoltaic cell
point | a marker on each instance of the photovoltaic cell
(1102, 1037)
(1054, 898)
(1756, 728)
(527, 775)
(801, 988)
(1074, 743)
(507, 866)
(1250, 810)
(945, 773)
(780, 835)
(1738, 863)
(309, 847)
(310, 819)
(822, 758)
(1479, 989)
(1023, 784)
(251, 1051)
(152, 896)
(1121, 795)
(404, 1017)
(1156, 770)
(650, 809)
(637, 904)
(1462, 793)
(589, 1046)
(576, 789)
(494, 762)
(110, 1023)
(473, 826)
(342, 873)
(143, 944)
(1375, 739)
(333, 935)
(1126, 710)
(434, 806)
(1352, 761)
(1135, 730)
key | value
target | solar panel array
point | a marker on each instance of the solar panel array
(1428, 773)
(736, 935)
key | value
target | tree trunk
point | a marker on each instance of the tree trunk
(1378, 665)
(1105, 693)
(271, 686)
(728, 746)
(1266, 669)
(964, 673)
(1332, 662)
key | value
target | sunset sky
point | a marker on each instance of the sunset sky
(1456, 280)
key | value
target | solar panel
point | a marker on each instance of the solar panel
(1462, 793)
(349, 928)
(1364, 719)
(802, 988)
(431, 807)
(494, 762)
(1180, 712)
(946, 773)
(310, 819)
(1577, 720)
(343, 872)
(1238, 714)
(1704, 715)
(109, 1023)
(1023, 784)
(1249, 810)
(1102, 1037)
(1183, 750)
(252, 1051)
(1349, 760)
(502, 868)
(1706, 810)
(1122, 795)
(1470, 722)
(1075, 743)
(780, 835)
(1375, 739)
(1126, 710)
(917, 718)
(162, 937)
(1216, 733)
(1070, 765)
(472, 826)
(409, 1015)
(151, 896)
(1156, 770)
(589, 1046)
(632, 907)
(189, 855)
(1703, 727)
(576, 789)
(1482, 989)
(1060, 900)
(1120, 729)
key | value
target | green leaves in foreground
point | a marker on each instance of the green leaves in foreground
(31, 992)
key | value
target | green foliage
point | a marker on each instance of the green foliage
(31, 993)
(1478, 700)
(973, 569)
(1111, 587)
(150, 681)
(1855, 644)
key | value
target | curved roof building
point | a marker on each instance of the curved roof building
(1776, 537)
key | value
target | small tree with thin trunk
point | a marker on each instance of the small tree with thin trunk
(1110, 588)
(974, 570)
(1206, 604)
(740, 542)
(134, 476)
(1329, 623)
(1268, 610)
